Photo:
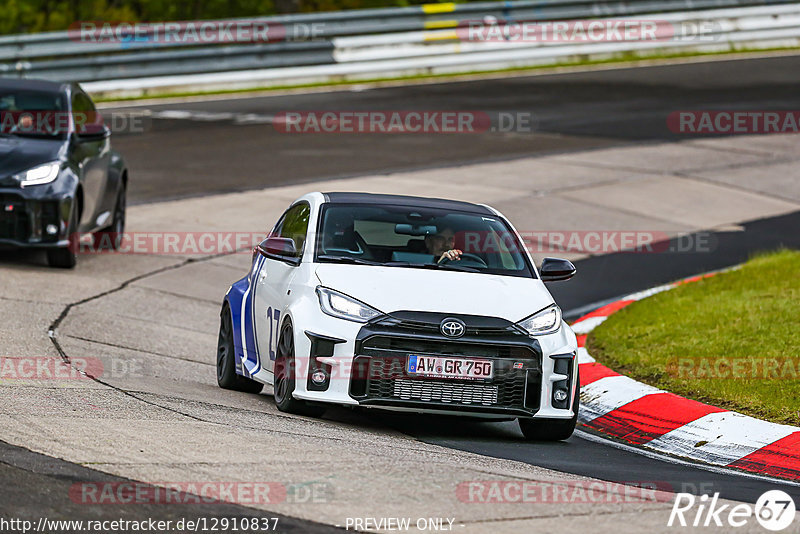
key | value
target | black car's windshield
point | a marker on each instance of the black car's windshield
(425, 238)
(26, 113)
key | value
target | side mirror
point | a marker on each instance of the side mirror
(283, 247)
(556, 269)
(93, 132)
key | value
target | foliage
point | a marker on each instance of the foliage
(28, 16)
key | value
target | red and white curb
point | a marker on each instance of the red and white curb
(654, 419)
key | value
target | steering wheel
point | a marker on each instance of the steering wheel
(474, 258)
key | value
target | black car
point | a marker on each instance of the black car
(59, 177)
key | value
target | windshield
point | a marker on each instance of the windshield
(33, 114)
(422, 238)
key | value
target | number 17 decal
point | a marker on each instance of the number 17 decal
(274, 317)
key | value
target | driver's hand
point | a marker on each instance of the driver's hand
(452, 255)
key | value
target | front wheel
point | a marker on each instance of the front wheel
(66, 257)
(226, 364)
(285, 373)
(551, 429)
(111, 237)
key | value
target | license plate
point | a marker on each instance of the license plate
(446, 367)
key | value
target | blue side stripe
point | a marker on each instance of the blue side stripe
(234, 298)
(253, 361)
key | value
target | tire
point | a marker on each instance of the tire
(66, 257)
(110, 237)
(551, 429)
(285, 378)
(226, 363)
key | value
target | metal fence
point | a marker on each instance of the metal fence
(376, 41)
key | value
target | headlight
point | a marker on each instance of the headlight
(543, 322)
(43, 174)
(339, 305)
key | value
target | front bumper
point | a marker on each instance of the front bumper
(374, 360)
(380, 376)
(33, 219)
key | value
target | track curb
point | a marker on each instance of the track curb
(642, 415)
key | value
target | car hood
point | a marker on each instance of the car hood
(391, 289)
(18, 154)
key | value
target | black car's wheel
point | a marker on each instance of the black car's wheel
(551, 429)
(226, 364)
(110, 238)
(285, 378)
(66, 257)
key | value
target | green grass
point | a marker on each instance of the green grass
(731, 340)
(623, 60)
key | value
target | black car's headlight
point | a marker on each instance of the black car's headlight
(542, 322)
(39, 175)
(343, 307)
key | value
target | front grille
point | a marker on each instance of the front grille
(382, 349)
(477, 394)
(429, 323)
(14, 222)
(422, 327)
(387, 378)
(415, 345)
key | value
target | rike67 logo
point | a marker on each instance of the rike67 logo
(774, 510)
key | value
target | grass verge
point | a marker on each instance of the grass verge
(731, 340)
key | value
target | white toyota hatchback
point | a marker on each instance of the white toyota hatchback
(402, 303)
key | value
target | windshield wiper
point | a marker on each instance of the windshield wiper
(448, 266)
(456, 267)
(348, 259)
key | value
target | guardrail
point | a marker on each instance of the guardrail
(373, 42)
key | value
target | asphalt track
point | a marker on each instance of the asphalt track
(24, 473)
(211, 152)
(218, 150)
(575, 111)
(35, 486)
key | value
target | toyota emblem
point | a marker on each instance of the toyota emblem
(452, 327)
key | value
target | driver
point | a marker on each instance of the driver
(441, 245)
